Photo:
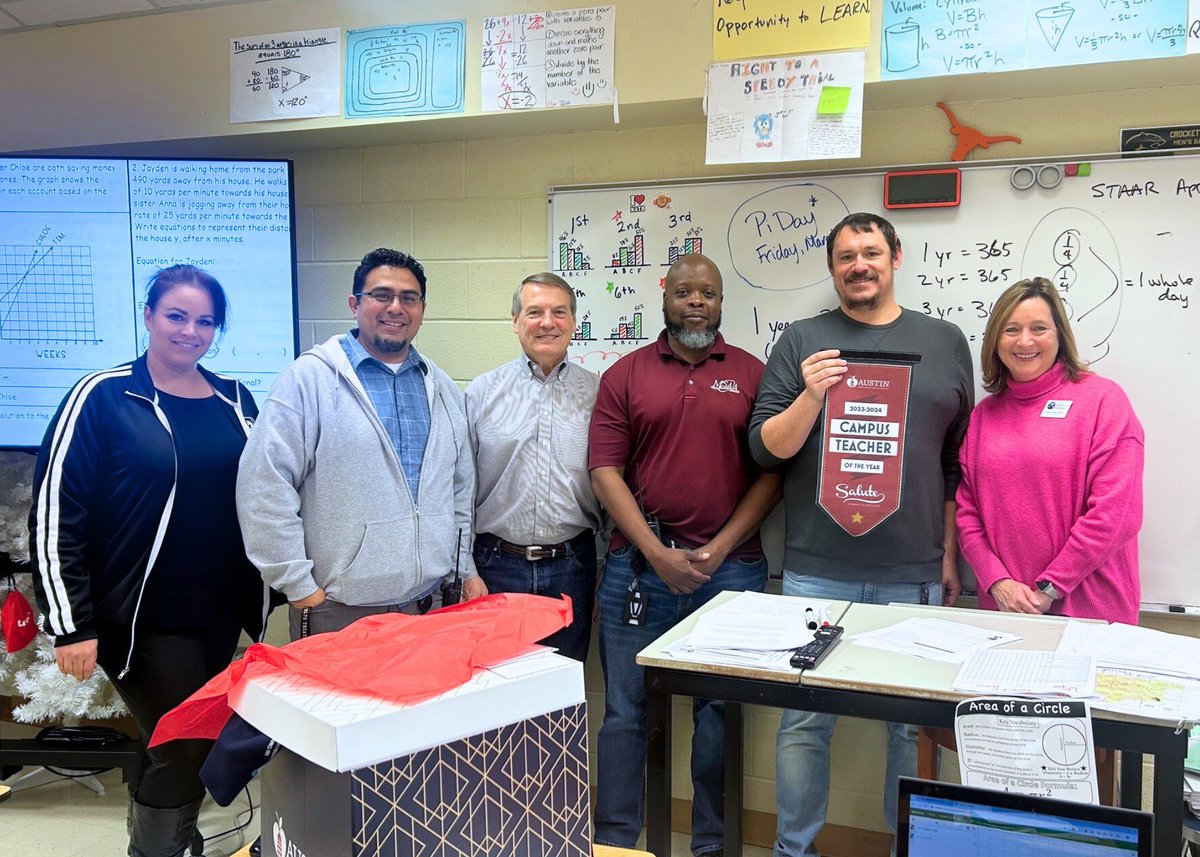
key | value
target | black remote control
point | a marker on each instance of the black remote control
(809, 656)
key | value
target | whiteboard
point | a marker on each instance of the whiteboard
(1123, 245)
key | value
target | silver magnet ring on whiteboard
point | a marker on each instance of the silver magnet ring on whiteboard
(1023, 178)
(1050, 176)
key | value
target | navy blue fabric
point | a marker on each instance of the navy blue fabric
(235, 759)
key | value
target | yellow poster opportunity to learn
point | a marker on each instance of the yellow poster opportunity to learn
(756, 28)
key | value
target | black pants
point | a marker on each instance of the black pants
(166, 669)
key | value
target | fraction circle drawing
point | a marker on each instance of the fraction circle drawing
(1078, 253)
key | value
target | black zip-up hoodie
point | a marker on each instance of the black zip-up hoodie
(103, 489)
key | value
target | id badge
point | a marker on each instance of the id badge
(636, 605)
(1057, 409)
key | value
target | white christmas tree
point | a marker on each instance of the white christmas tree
(32, 673)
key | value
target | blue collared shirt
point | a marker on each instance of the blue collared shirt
(400, 402)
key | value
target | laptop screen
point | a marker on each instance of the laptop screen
(937, 819)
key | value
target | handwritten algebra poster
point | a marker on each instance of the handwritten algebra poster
(923, 38)
(791, 108)
(548, 59)
(756, 28)
(403, 71)
(285, 75)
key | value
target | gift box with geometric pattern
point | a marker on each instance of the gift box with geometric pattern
(496, 767)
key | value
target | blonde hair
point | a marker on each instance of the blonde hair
(995, 373)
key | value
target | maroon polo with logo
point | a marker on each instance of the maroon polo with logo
(680, 431)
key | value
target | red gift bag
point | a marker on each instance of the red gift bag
(18, 622)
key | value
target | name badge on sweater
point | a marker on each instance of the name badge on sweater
(1057, 409)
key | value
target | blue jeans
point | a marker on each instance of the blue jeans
(573, 575)
(802, 746)
(621, 746)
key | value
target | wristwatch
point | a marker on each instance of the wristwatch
(1047, 588)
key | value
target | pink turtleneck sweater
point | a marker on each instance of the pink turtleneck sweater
(1057, 499)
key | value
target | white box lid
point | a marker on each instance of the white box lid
(344, 732)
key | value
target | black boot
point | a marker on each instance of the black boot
(162, 832)
(129, 822)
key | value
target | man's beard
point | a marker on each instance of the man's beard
(696, 340)
(864, 303)
(390, 346)
(871, 303)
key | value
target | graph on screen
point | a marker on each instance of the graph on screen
(46, 294)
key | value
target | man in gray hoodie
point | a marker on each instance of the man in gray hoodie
(357, 483)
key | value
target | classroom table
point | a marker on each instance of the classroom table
(879, 685)
(17, 753)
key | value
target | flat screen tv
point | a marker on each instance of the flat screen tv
(79, 241)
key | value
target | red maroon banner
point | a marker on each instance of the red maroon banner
(862, 462)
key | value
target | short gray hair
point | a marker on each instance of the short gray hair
(545, 278)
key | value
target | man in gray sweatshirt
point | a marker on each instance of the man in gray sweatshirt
(356, 486)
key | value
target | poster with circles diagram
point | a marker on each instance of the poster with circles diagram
(1038, 747)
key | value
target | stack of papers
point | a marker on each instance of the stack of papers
(752, 629)
(1139, 670)
(1130, 647)
(934, 639)
(1115, 667)
(1191, 792)
(1027, 673)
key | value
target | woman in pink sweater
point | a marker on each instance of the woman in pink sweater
(1050, 502)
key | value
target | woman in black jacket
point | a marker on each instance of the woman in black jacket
(137, 554)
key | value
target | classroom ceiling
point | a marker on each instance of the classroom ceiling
(18, 15)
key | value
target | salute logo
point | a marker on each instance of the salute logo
(859, 493)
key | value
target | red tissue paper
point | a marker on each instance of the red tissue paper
(392, 656)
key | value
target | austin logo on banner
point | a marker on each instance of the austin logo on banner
(862, 462)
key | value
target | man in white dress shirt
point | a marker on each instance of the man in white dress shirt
(535, 514)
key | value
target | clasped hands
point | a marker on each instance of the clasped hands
(684, 570)
(1014, 597)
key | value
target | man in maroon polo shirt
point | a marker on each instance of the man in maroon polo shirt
(670, 461)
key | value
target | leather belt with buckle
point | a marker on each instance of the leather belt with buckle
(533, 553)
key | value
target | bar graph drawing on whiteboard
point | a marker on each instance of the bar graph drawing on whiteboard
(628, 329)
(46, 294)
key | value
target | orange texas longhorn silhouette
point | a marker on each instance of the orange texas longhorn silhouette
(969, 138)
